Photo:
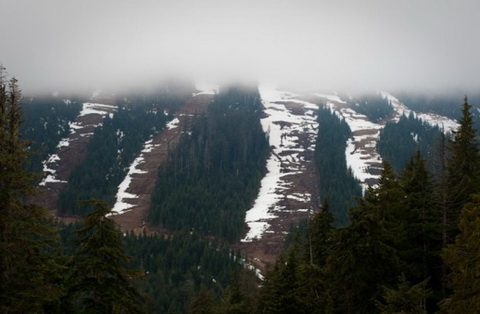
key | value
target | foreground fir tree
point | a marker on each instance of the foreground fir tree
(282, 290)
(406, 298)
(100, 281)
(463, 258)
(320, 232)
(422, 233)
(28, 267)
(463, 168)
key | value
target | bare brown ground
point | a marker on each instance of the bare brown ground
(263, 252)
(144, 183)
(70, 156)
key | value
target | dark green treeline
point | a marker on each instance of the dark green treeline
(337, 183)
(213, 176)
(411, 245)
(114, 146)
(47, 121)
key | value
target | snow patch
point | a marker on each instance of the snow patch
(173, 124)
(283, 129)
(435, 120)
(53, 159)
(122, 205)
(94, 108)
(206, 88)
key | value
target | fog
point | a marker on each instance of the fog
(349, 45)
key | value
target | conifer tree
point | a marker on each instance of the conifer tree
(202, 303)
(407, 298)
(421, 220)
(463, 167)
(320, 235)
(27, 238)
(233, 300)
(281, 292)
(363, 256)
(463, 258)
(99, 280)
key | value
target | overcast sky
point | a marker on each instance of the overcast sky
(371, 44)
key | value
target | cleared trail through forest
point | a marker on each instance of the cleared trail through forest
(69, 153)
(143, 182)
(289, 191)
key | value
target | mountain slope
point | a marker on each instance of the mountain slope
(133, 199)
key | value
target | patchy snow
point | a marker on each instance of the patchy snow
(64, 142)
(446, 124)
(94, 108)
(414, 137)
(206, 88)
(122, 205)
(283, 128)
(173, 124)
(360, 153)
(52, 160)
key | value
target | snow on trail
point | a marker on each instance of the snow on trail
(76, 128)
(360, 153)
(206, 88)
(121, 205)
(432, 119)
(286, 159)
(172, 124)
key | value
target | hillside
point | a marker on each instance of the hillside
(289, 191)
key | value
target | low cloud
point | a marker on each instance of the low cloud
(349, 45)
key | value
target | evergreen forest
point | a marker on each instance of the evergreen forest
(47, 121)
(409, 244)
(214, 175)
(374, 106)
(399, 141)
(114, 146)
(337, 183)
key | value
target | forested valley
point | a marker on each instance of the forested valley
(406, 245)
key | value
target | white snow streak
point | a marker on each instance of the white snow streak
(173, 124)
(53, 159)
(51, 173)
(283, 129)
(432, 119)
(206, 88)
(360, 153)
(122, 205)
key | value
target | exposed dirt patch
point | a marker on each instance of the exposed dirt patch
(142, 184)
(69, 157)
(263, 252)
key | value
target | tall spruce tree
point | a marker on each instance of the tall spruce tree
(27, 238)
(363, 257)
(463, 168)
(100, 281)
(319, 234)
(281, 292)
(421, 220)
(463, 258)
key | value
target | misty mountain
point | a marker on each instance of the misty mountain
(230, 164)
